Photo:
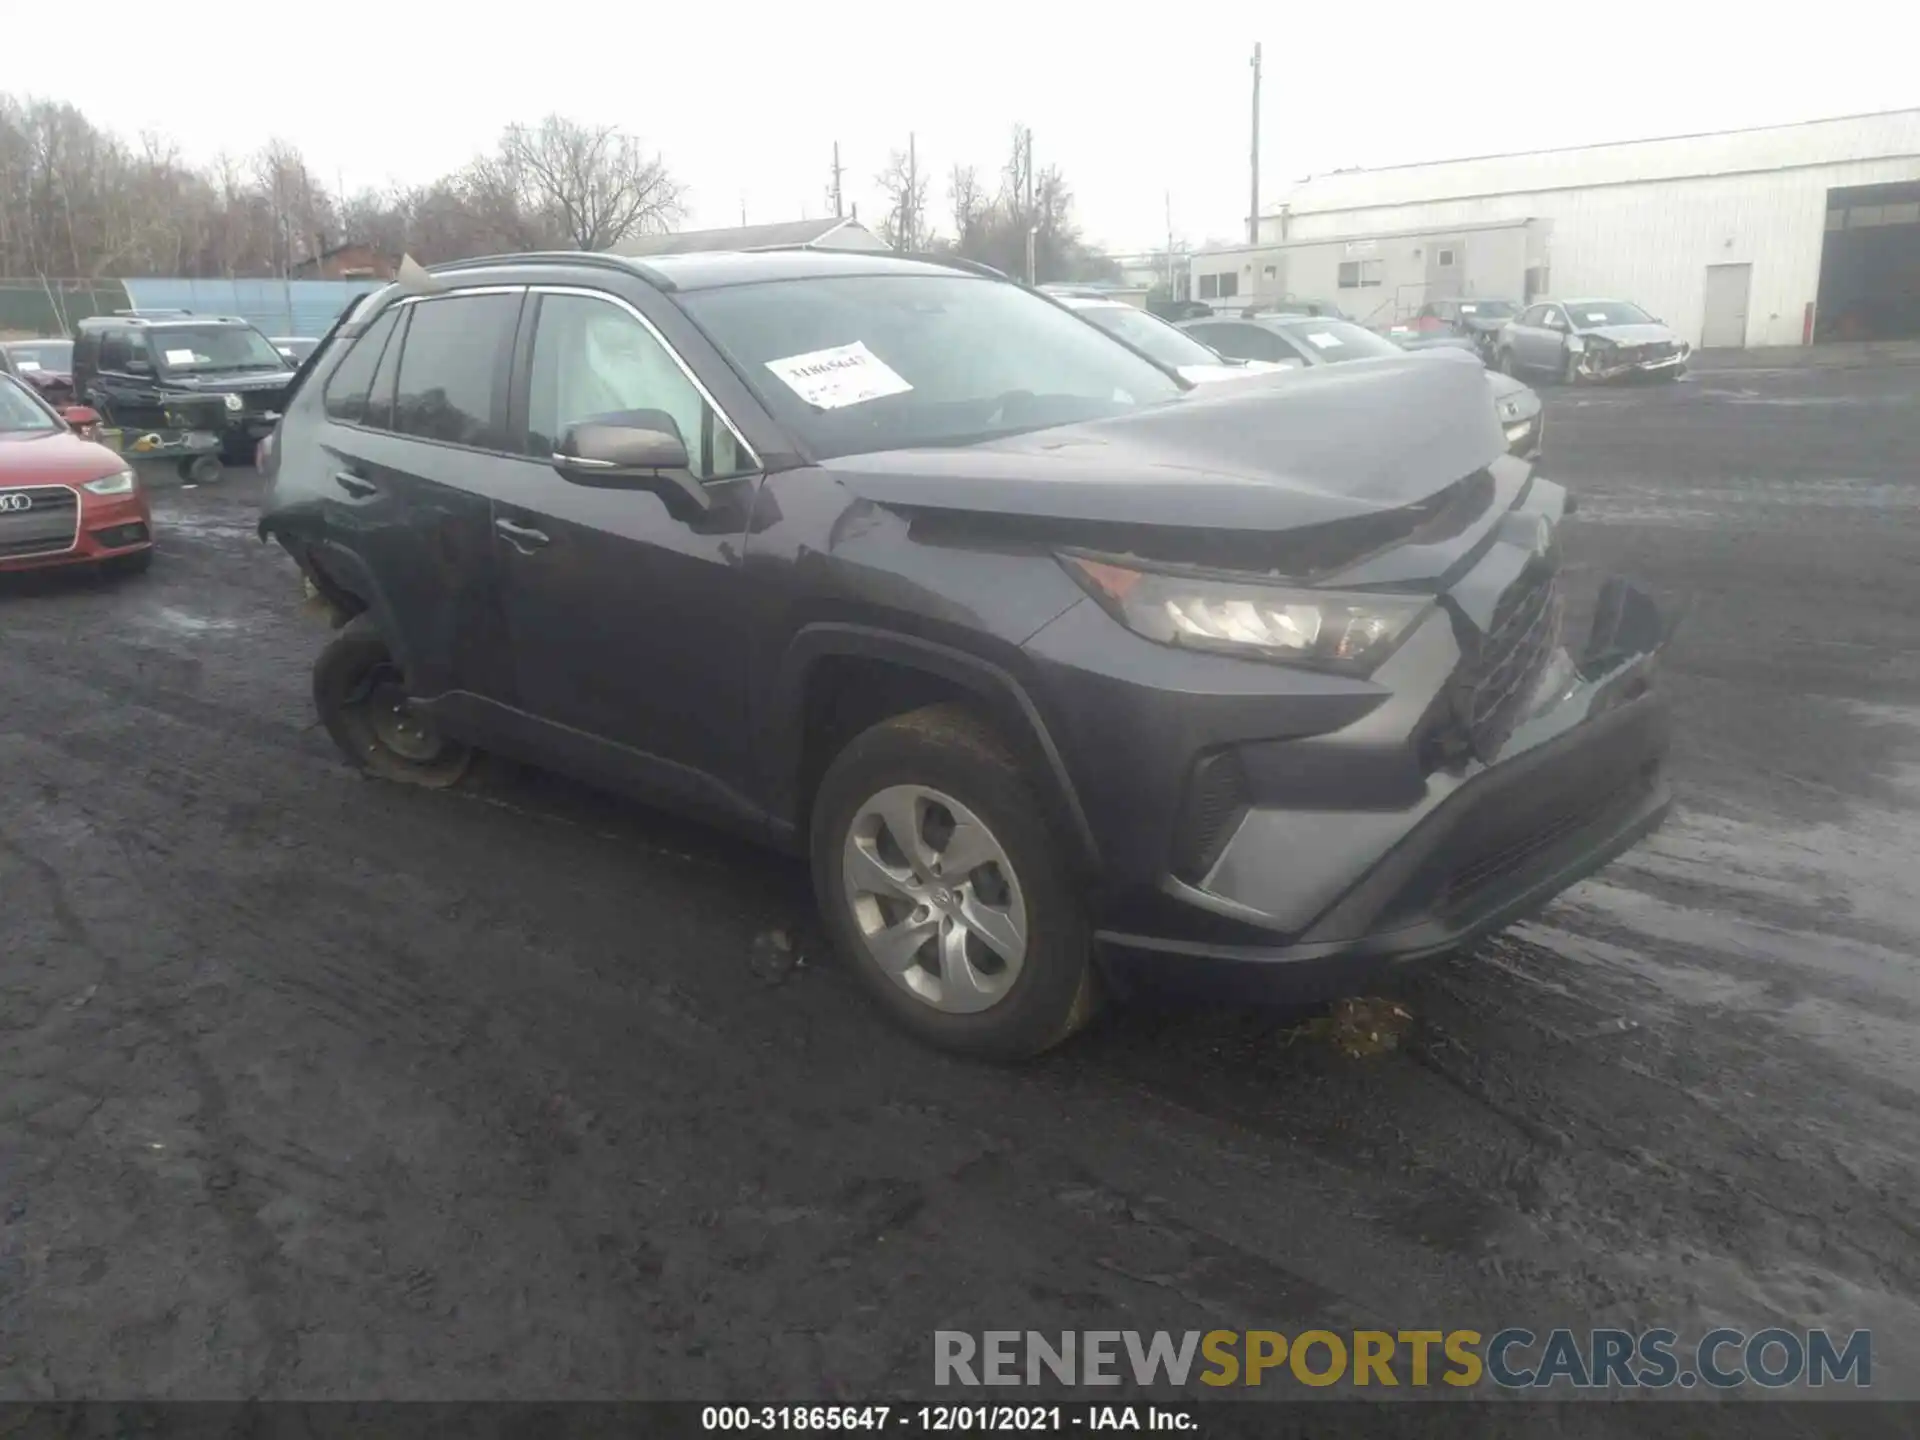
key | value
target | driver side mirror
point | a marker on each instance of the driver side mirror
(638, 450)
(80, 417)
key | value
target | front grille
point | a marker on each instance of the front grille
(1504, 663)
(38, 520)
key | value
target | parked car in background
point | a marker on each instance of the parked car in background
(1160, 342)
(1177, 310)
(47, 365)
(1289, 305)
(1477, 320)
(137, 369)
(64, 500)
(1315, 341)
(1576, 340)
(295, 347)
(1408, 335)
(1062, 671)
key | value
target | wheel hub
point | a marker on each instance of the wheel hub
(935, 899)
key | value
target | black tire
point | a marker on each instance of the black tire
(121, 566)
(947, 748)
(353, 675)
(1569, 369)
(1505, 364)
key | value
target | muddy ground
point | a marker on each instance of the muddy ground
(311, 1086)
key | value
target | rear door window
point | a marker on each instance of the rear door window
(453, 368)
(345, 397)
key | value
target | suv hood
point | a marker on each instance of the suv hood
(1273, 453)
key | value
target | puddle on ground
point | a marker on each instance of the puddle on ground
(182, 622)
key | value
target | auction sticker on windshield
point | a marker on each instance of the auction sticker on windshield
(1596, 317)
(180, 357)
(1323, 341)
(833, 379)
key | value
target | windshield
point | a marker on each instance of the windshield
(215, 347)
(1606, 312)
(20, 413)
(31, 355)
(1154, 338)
(1337, 340)
(1488, 309)
(856, 363)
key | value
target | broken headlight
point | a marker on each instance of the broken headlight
(1349, 632)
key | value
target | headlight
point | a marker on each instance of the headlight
(121, 482)
(234, 402)
(1349, 632)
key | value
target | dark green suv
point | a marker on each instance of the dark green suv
(164, 370)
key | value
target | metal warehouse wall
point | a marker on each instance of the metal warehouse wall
(279, 307)
(1652, 242)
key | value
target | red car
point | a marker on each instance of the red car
(65, 500)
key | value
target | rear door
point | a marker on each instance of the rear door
(415, 447)
(629, 624)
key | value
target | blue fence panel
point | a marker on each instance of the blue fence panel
(278, 307)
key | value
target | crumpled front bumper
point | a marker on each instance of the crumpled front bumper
(1306, 900)
(1598, 365)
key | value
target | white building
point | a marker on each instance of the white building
(1751, 237)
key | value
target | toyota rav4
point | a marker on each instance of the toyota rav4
(1069, 677)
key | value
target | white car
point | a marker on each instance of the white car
(1160, 342)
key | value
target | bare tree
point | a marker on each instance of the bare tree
(589, 186)
(969, 205)
(905, 186)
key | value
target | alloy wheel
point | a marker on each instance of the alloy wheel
(935, 899)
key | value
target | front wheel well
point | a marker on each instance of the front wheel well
(847, 695)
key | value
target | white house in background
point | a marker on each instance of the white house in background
(1746, 237)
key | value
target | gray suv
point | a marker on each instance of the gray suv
(1069, 677)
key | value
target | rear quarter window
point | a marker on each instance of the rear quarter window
(345, 395)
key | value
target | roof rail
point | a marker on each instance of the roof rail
(142, 314)
(598, 259)
(954, 262)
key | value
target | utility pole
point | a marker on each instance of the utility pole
(1172, 292)
(1253, 209)
(1033, 217)
(838, 212)
(910, 203)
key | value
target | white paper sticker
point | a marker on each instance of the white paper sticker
(833, 379)
(1596, 317)
(1321, 340)
(27, 367)
(1469, 309)
(180, 357)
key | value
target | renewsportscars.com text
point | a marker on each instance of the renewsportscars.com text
(1513, 1358)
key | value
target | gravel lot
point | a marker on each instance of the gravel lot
(311, 1086)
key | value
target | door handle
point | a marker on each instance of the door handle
(354, 485)
(523, 538)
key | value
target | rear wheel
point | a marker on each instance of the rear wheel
(362, 699)
(946, 891)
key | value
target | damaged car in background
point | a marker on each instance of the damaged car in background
(1071, 677)
(1582, 340)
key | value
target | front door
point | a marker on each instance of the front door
(1725, 323)
(628, 622)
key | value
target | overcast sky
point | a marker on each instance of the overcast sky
(1138, 105)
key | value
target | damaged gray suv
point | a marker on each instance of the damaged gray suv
(1069, 677)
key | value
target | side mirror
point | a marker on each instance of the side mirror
(80, 417)
(139, 367)
(638, 451)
